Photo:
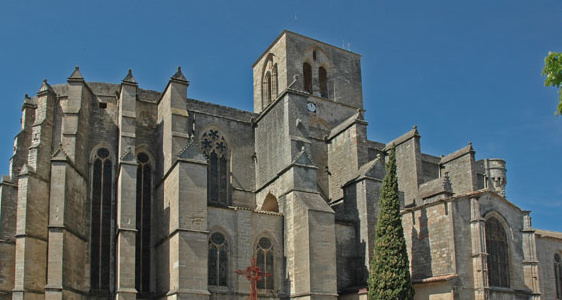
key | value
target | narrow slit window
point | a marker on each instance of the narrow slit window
(307, 77)
(274, 83)
(323, 79)
(558, 276)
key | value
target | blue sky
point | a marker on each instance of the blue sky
(460, 70)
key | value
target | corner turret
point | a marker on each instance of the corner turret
(496, 178)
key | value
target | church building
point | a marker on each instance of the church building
(117, 192)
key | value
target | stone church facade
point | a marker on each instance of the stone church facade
(119, 192)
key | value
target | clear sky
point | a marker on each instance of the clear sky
(460, 70)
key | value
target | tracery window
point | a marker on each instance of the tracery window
(218, 260)
(558, 276)
(100, 248)
(498, 258)
(307, 77)
(323, 80)
(264, 258)
(142, 250)
(215, 148)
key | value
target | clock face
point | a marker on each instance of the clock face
(311, 107)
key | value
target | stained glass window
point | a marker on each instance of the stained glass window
(215, 148)
(498, 256)
(218, 260)
(142, 251)
(264, 257)
(100, 248)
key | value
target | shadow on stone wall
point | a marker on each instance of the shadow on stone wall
(421, 248)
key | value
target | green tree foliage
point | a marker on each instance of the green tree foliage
(389, 278)
(553, 72)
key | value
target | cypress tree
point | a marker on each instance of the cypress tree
(389, 277)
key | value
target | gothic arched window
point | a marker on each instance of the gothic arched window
(215, 148)
(264, 258)
(142, 250)
(498, 257)
(218, 260)
(274, 83)
(267, 88)
(100, 248)
(323, 80)
(307, 77)
(558, 276)
(269, 82)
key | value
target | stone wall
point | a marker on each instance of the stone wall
(548, 244)
(430, 240)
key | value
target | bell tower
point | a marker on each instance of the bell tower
(308, 66)
(304, 90)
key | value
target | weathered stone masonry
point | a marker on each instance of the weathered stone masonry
(119, 192)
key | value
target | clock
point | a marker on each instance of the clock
(311, 107)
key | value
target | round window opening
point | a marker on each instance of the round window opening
(142, 157)
(103, 153)
(265, 243)
(217, 238)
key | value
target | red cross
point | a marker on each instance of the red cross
(254, 274)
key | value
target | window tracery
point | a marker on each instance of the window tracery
(498, 256)
(264, 258)
(218, 260)
(100, 248)
(143, 221)
(215, 149)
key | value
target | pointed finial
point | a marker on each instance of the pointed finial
(76, 76)
(415, 127)
(129, 78)
(179, 76)
(45, 87)
(27, 101)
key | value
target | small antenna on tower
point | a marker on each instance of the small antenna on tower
(296, 24)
